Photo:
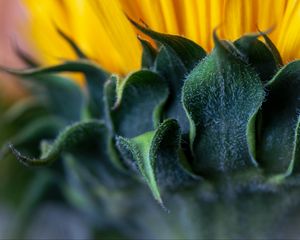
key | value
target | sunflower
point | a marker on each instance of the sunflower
(196, 102)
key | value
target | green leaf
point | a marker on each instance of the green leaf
(189, 52)
(258, 55)
(221, 95)
(170, 66)
(66, 141)
(279, 139)
(95, 78)
(137, 109)
(149, 54)
(156, 155)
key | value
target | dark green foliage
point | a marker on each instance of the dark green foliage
(215, 138)
(279, 139)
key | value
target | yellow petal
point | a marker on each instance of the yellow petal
(102, 30)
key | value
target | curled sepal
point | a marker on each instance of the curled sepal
(149, 54)
(79, 53)
(279, 140)
(221, 97)
(66, 141)
(176, 57)
(273, 49)
(25, 57)
(138, 105)
(42, 126)
(258, 55)
(94, 75)
(157, 157)
(189, 52)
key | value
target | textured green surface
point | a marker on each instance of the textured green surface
(221, 95)
(213, 139)
(66, 140)
(140, 98)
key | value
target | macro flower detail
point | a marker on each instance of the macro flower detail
(183, 129)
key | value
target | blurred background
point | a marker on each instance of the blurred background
(12, 16)
(16, 181)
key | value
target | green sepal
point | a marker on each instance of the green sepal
(148, 55)
(170, 66)
(139, 103)
(278, 142)
(95, 78)
(156, 155)
(273, 49)
(79, 53)
(25, 57)
(221, 96)
(56, 89)
(189, 52)
(176, 57)
(258, 55)
(66, 141)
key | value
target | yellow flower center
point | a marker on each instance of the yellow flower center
(102, 30)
